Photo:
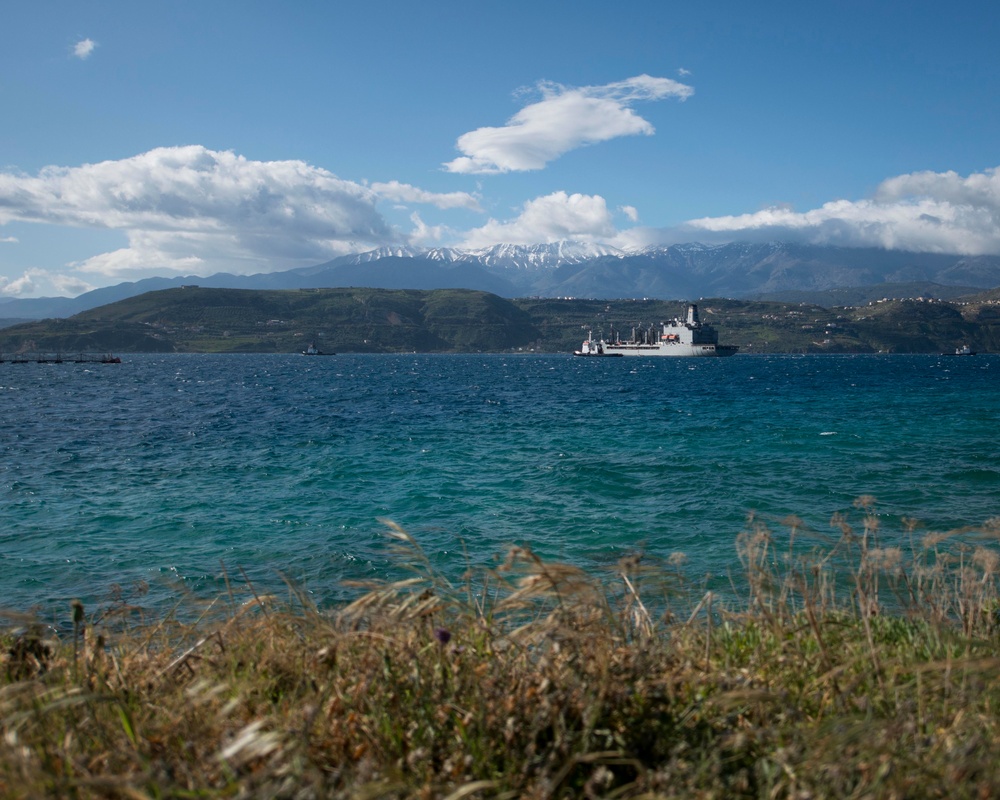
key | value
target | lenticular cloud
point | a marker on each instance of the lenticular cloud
(564, 119)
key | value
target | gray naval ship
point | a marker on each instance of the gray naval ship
(679, 337)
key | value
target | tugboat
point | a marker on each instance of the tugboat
(964, 350)
(679, 337)
(593, 349)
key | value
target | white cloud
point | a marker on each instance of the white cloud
(564, 119)
(555, 217)
(978, 190)
(405, 193)
(920, 212)
(424, 235)
(190, 209)
(84, 48)
(45, 283)
(631, 212)
(24, 285)
(18, 287)
(67, 285)
(8, 240)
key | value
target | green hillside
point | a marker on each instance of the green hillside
(194, 319)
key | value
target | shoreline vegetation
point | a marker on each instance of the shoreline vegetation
(204, 320)
(850, 662)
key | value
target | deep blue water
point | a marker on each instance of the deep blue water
(175, 469)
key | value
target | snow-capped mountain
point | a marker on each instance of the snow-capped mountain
(497, 257)
(539, 256)
(579, 269)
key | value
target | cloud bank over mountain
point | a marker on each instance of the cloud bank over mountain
(183, 208)
(555, 217)
(191, 210)
(921, 212)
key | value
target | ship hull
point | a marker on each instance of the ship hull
(673, 350)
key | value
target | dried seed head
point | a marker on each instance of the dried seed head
(885, 558)
(987, 560)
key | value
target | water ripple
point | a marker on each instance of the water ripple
(176, 470)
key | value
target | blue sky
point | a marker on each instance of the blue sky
(164, 138)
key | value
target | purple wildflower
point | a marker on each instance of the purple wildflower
(443, 635)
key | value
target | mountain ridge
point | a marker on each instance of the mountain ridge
(740, 270)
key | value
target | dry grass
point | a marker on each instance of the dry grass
(840, 668)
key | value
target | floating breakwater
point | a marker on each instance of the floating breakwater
(59, 358)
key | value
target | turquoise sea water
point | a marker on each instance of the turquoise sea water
(175, 469)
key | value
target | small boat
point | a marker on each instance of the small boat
(312, 350)
(964, 350)
(593, 349)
